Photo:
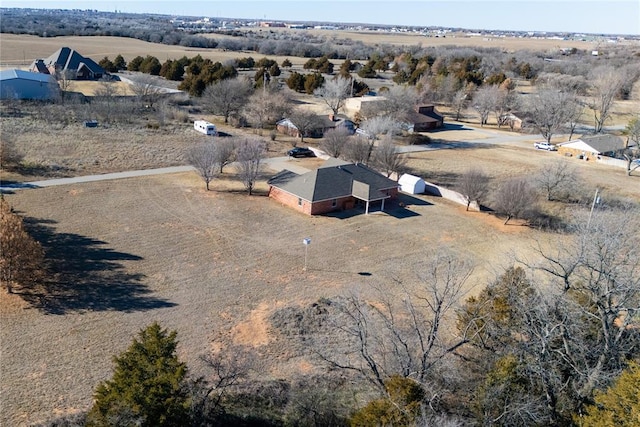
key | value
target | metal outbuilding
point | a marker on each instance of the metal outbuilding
(20, 84)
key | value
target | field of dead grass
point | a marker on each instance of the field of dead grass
(212, 265)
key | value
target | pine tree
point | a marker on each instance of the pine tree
(619, 405)
(147, 387)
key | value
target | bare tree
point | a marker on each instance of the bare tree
(573, 112)
(632, 151)
(398, 102)
(304, 120)
(474, 186)
(249, 154)
(227, 368)
(334, 92)
(65, 80)
(556, 179)
(356, 150)
(225, 151)
(107, 94)
(595, 298)
(204, 157)
(459, 101)
(399, 334)
(549, 110)
(504, 101)
(484, 101)
(267, 106)
(606, 82)
(146, 89)
(514, 199)
(387, 157)
(376, 126)
(227, 97)
(334, 141)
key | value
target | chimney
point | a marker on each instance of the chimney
(331, 117)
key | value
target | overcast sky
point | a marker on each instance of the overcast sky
(586, 16)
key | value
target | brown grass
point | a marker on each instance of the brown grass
(215, 265)
(209, 264)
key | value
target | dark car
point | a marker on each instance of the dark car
(300, 152)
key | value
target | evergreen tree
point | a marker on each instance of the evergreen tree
(134, 64)
(286, 63)
(120, 63)
(107, 65)
(619, 405)
(147, 387)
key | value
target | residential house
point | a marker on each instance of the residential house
(71, 63)
(20, 84)
(424, 119)
(592, 147)
(336, 185)
(322, 124)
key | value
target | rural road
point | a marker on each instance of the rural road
(278, 163)
(275, 163)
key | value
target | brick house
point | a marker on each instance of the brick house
(592, 147)
(424, 118)
(335, 186)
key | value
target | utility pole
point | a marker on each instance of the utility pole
(596, 199)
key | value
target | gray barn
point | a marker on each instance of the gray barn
(19, 84)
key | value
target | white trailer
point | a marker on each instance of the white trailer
(205, 127)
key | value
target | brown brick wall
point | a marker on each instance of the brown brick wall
(317, 208)
(575, 153)
(289, 200)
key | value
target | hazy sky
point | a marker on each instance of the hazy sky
(588, 16)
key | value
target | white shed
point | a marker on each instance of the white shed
(411, 184)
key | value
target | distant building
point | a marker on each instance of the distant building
(20, 84)
(69, 61)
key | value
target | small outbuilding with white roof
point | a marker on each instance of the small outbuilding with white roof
(411, 184)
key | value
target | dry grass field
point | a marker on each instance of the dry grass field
(21, 50)
(213, 265)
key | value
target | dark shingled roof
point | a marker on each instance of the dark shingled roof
(604, 143)
(335, 179)
(66, 58)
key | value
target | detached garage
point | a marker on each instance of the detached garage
(19, 84)
(411, 184)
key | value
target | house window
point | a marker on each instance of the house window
(334, 203)
(299, 201)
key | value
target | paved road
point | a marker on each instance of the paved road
(275, 163)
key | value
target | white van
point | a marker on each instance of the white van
(205, 127)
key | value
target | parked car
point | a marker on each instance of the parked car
(301, 152)
(544, 145)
